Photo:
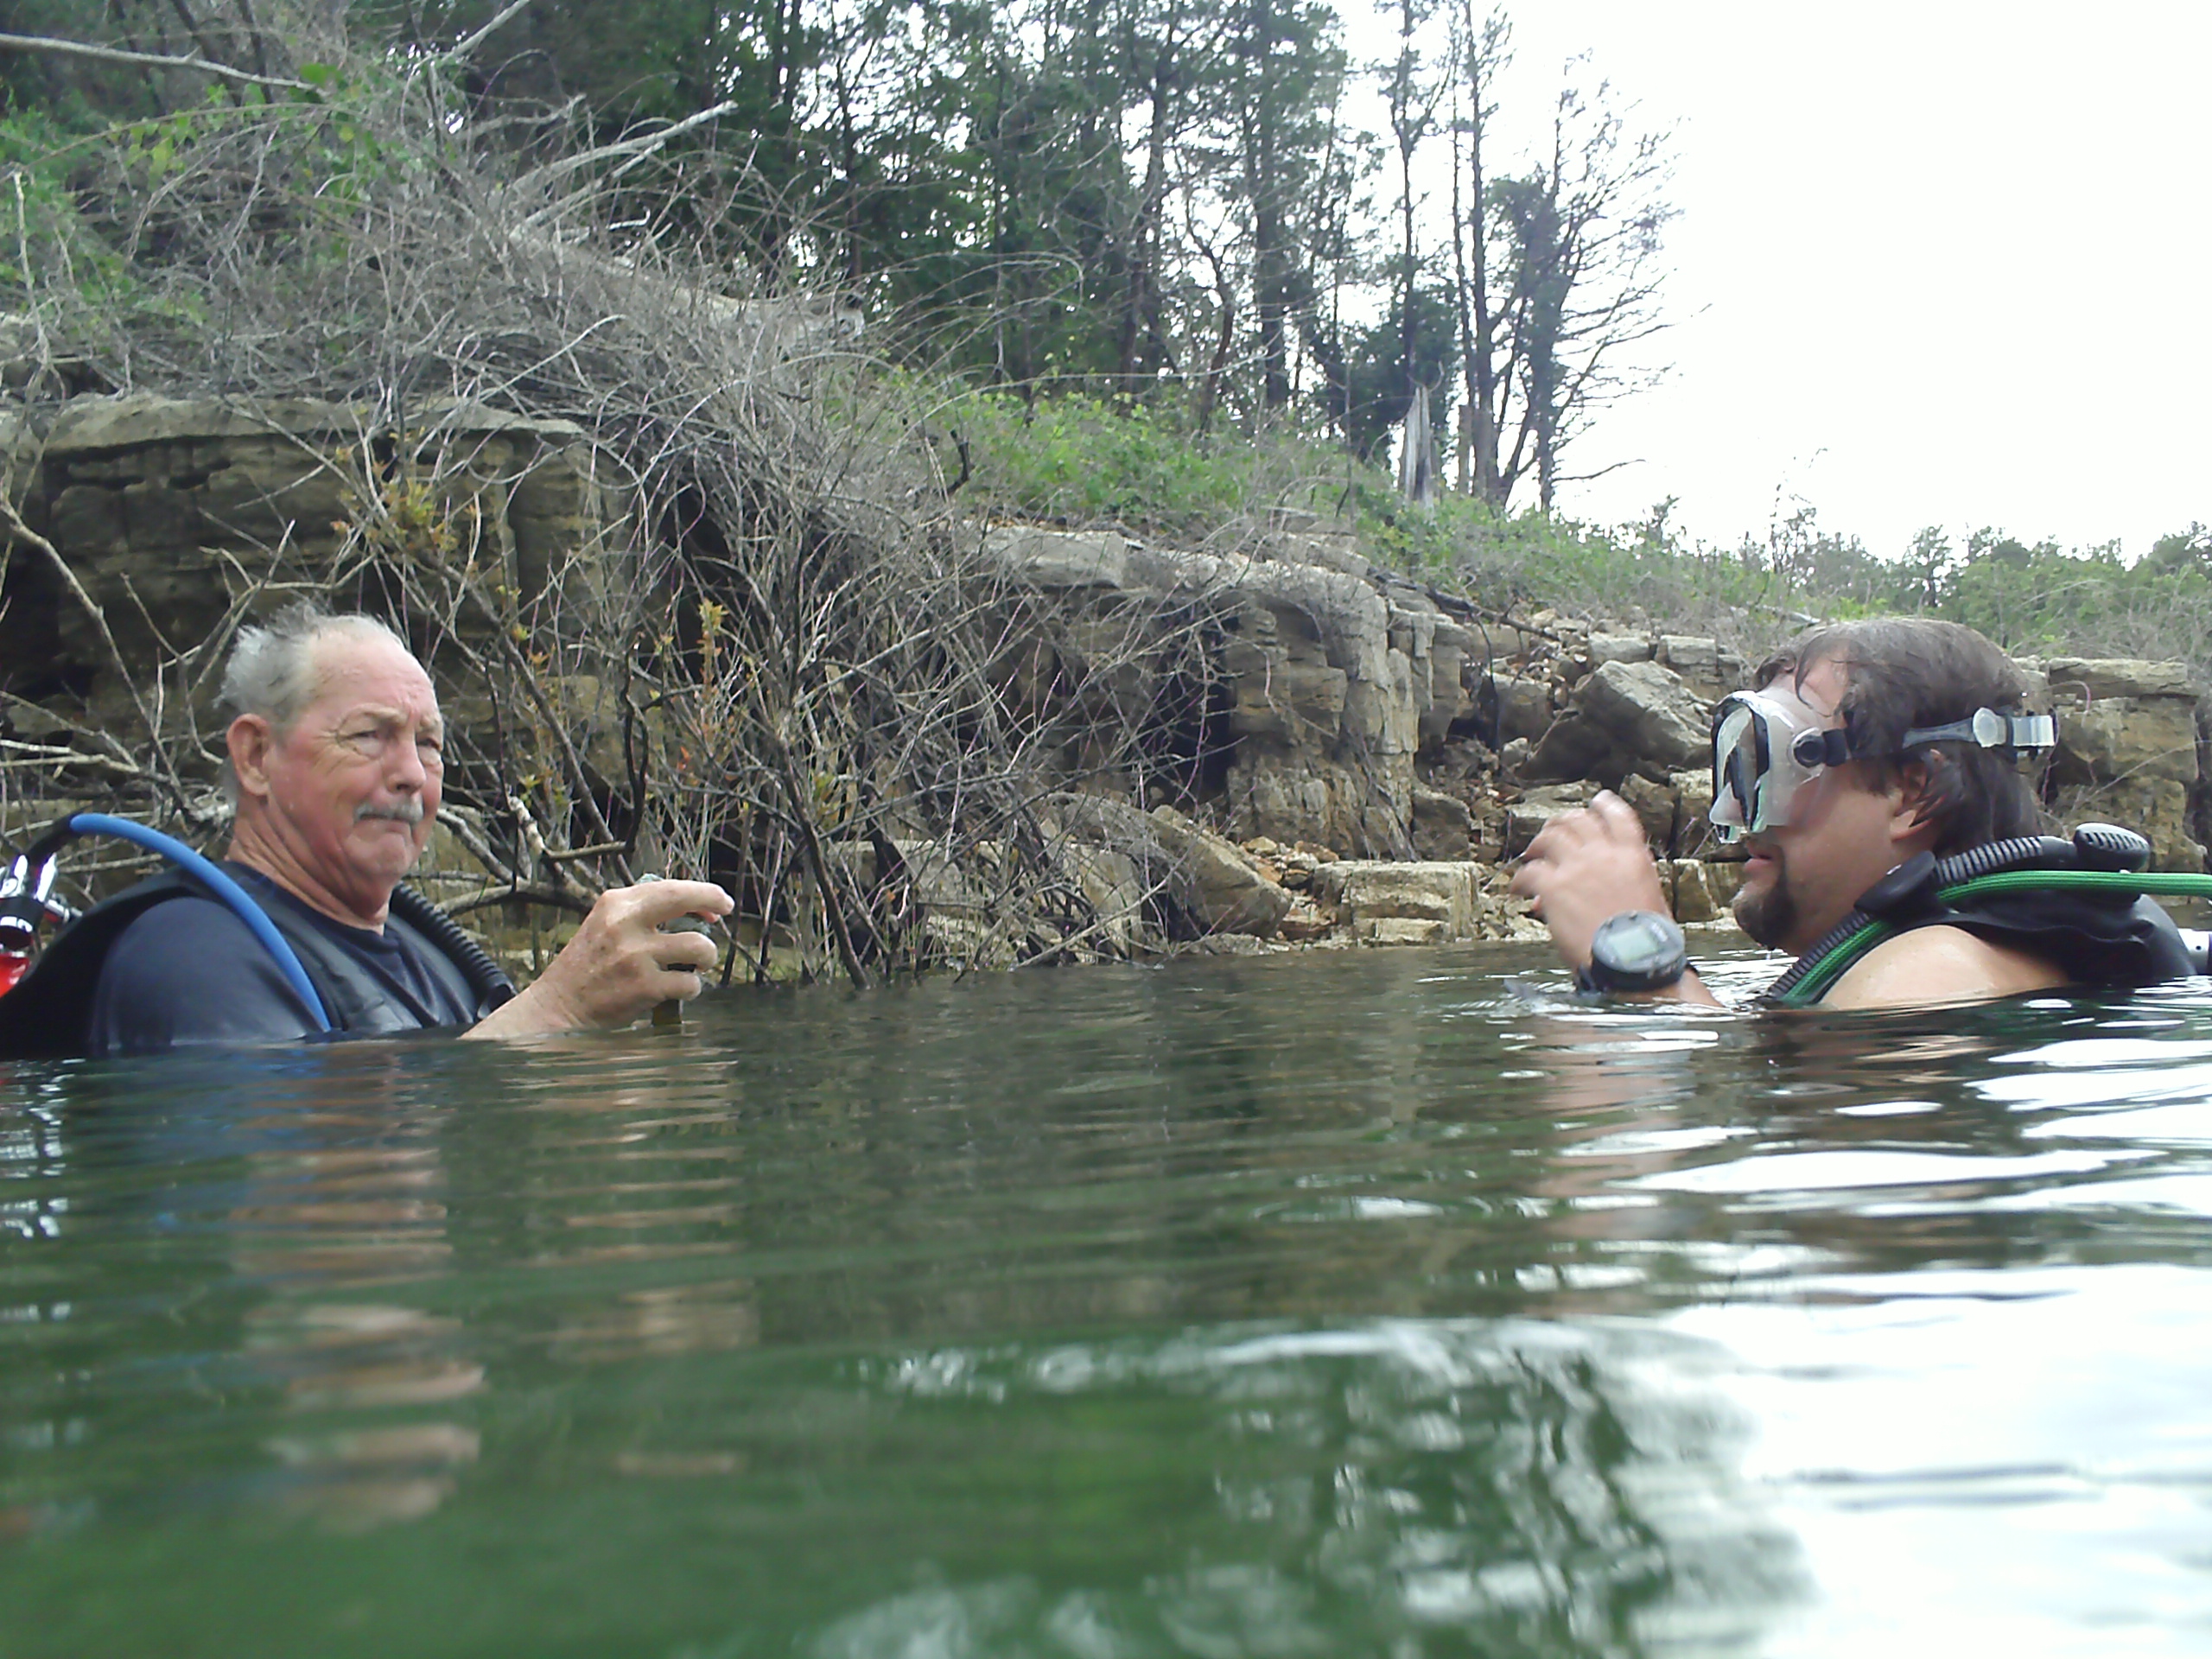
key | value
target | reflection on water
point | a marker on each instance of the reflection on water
(1347, 1304)
(1505, 1484)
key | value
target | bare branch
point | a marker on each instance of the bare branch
(759, 650)
(642, 146)
(146, 60)
(486, 32)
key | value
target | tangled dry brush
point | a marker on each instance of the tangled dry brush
(768, 647)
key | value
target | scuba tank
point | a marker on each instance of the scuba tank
(26, 899)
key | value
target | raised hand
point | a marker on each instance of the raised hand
(619, 965)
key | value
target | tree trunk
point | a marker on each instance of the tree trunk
(1141, 310)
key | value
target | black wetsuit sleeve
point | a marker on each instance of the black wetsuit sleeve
(189, 971)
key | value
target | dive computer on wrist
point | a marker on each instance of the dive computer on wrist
(1636, 950)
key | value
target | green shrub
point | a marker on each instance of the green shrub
(1077, 460)
(2045, 600)
(45, 243)
(1520, 562)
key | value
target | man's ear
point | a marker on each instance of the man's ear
(249, 740)
(1912, 798)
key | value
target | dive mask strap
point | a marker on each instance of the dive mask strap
(2016, 735)
(1828, 746)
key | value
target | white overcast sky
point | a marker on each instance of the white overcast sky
(1938, 263)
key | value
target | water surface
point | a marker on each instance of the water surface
(1353, 1303)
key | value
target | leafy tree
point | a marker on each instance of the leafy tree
(1380, 372)
(269, 38)
(1559, 272)
(1925, 572)
(666, 61)
(1481, 51)
(1283, 69)
(1158, 198)
(1413, 91)
(2185, 549)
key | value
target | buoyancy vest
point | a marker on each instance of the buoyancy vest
(47, 1013)
(2058, 900)
(2093, 939)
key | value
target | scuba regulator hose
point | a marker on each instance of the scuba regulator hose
(24, 899)
(2100, 858)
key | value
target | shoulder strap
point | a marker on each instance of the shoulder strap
(488, 981)
(45, 1016)
(354, 1001)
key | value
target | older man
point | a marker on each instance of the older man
(336, 760)
(1866, 744)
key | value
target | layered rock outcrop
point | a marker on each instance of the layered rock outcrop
(1366, 752)
(168, 509)
(1332, 675)
(2132, 742)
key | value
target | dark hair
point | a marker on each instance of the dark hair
(1903, 672)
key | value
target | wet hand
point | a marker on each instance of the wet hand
(1585, 865)
(619, 965)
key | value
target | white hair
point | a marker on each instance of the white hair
(272, 673)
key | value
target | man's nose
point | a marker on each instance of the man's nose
(403, 766)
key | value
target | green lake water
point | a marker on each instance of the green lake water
(1377, 1303)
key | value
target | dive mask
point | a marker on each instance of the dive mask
(1765, 746)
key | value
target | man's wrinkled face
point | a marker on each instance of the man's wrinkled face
(1802, 877)
(353, 785)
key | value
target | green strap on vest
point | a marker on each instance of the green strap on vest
(1821, 977)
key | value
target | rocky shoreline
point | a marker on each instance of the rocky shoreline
(1359, 756)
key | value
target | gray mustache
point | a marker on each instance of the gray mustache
(410, 811)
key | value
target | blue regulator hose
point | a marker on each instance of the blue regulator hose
(211, 876)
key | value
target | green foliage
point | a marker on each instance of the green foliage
(1158, 198)
(2046, 599)
(2032, 600)
(2185, 549)
(1130, 217)
(1508, 562)
(44, 241)
(1378, 390)
(1078, 459)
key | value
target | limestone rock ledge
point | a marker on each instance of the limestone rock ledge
(1335, 674)
(1384, 902)
(1374, 751)
(157, 502)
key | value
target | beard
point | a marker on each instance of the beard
(1769, 914)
